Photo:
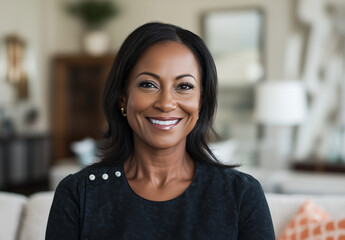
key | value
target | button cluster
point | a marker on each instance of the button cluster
(105, 176)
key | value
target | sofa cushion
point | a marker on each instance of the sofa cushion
(36, 216)
(11, 208)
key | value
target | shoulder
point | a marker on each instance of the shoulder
(247, 191)
(232, 184)
(240, 181)
(95, 173)
(244, 182)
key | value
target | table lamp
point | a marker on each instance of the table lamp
(279, 106)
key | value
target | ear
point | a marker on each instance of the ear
(122, 101)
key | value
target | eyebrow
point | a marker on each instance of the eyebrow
(157, 77)
(148, 73)
(185, 75)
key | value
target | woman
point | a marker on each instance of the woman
(158, 179)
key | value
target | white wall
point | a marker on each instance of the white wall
(23, 17)
(49, 30)
(185, 13)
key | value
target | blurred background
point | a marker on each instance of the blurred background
(281, 112)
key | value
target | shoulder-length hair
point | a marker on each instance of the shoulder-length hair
(120, 146)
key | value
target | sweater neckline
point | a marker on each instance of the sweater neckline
(137, 196)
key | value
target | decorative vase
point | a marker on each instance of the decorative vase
(85, 150)
(96, 42)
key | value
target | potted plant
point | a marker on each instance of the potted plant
(94, 14)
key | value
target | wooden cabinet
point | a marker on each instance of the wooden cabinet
(77, 88)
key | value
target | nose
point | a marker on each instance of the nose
(165, 102)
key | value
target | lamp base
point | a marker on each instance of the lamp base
(276, 147)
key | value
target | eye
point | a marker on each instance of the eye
(185, 86)
(147, 84)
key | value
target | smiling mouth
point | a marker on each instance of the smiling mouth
(164, 123)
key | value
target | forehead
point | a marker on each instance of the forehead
(168, 57)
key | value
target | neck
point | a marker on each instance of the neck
(159, 166)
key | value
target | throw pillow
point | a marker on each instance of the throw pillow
(309, 214)
(325, 230)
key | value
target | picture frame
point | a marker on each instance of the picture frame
(235, 38)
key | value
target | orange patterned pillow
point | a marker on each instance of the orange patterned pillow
(309, 214)
(325, 230)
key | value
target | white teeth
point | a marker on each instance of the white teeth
(163, 122)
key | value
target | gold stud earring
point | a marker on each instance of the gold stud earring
(123, 113)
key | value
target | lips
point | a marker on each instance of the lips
(164, 123)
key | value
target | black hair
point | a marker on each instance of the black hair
(120, 145)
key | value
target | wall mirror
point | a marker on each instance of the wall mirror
(235, 39)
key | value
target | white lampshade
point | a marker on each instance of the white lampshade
(280, 102)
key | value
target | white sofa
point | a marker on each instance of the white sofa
(23, 218)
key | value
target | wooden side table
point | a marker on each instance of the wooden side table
(319, 166)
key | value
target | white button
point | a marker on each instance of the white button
(105, 176)
(92, 177)
(118, 174)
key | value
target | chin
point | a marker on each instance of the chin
(165, 143)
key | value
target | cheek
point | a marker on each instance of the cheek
(191, 106)
(137, 102)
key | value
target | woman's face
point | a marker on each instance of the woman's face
(163, 95)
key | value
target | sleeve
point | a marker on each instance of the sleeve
(255, 222)
(64, 216)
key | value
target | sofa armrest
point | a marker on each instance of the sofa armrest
(36, 216)
(11, 210)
